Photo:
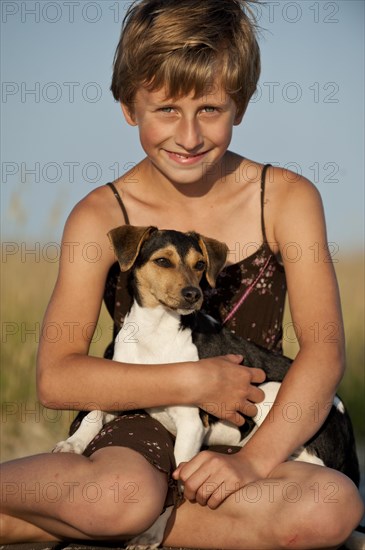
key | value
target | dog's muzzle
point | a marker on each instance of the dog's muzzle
(191, 294)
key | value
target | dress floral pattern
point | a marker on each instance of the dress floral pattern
(257, 285)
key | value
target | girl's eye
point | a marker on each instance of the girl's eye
(200, 265)
(163, 262)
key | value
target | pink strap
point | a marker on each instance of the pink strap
(247, 292)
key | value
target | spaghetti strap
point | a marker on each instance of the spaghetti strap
(250, 288)
(263, 178)
(121, 204)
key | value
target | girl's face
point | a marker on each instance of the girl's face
(184, 139)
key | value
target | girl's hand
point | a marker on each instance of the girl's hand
(210, 477)
(226, 388)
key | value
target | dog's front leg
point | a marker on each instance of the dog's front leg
(190, 432)
(88, 429)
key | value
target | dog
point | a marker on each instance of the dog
(166, 268)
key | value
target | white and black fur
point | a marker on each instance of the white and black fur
(179, 332)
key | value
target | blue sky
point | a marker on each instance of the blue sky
(62, 134)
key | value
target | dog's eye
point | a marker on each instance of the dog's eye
(200, 265)
(163, 262)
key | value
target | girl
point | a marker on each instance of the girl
(184, 73)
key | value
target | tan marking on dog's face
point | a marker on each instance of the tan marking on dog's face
(162, 279)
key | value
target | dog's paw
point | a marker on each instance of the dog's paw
(77, 447)
(143, 547)
(145, 541)
(153, 537)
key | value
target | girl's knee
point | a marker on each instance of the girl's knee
(343, 513)
(330, 509)
(116, 505)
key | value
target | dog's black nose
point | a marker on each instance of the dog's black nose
(191, 294)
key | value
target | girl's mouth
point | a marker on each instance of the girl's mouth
(181, 158)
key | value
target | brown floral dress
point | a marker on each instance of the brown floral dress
(248, 298)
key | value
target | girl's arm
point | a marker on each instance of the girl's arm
(306, 395)
(67, 378)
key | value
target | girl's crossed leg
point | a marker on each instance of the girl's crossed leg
(117, 494)
(299, 506)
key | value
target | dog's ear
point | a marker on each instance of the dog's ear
(215, 253)
(127, 241)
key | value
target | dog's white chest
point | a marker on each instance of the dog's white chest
(157, 339)
(152, 336)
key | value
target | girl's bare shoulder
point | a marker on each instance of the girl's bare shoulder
(97, 212)
(284, 185)
(90, 220)
(289, 198)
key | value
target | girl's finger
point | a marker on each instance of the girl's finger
(176, 473)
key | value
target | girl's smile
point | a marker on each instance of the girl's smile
(186, 159)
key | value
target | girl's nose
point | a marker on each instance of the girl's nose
(188, 134)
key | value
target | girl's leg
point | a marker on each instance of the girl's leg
(116, 493)
(300, 506)
(15, 529)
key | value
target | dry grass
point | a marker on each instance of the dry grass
(27, 428)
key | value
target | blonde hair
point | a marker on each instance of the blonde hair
(184, 45)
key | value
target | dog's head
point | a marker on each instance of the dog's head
(167, 266)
